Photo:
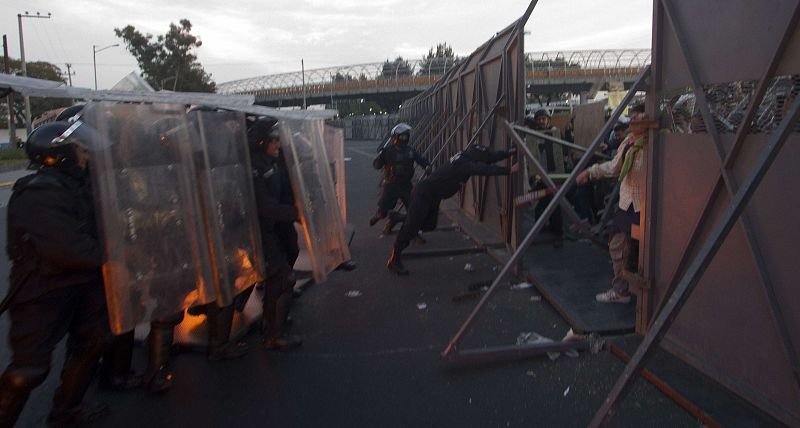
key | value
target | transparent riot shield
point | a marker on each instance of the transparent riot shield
(334, 146)
(157, 261)
(303, 146)
(225, 185)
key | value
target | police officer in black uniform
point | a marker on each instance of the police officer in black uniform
(423, 212)
(397, 160)
(541, 122)
(55, 284)
(276, 214)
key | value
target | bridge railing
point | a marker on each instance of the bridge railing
(418, 74)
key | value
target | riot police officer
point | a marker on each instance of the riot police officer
(423, 212)
(552, 159)
(55, 283)
(276, 214)
(397, 160)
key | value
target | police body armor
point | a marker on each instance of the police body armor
(31, 276)
(398, 164)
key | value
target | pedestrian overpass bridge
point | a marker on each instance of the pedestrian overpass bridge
(392, 82)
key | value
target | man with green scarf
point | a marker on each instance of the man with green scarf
(628, 167)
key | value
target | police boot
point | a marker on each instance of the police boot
(157, 377)
(347, 266)
(219, 321)
(68, 408)
(115, 372)
(16, 385)
(395, 263)
(276, 339)
(375, 218)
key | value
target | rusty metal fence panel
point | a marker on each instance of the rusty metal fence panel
(470, 103)
(741, 325)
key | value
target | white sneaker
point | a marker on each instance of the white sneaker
(611, 296)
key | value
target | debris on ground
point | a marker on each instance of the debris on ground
(468, 267)
(521, 286)
(566, 391)
(536, 298)
(480, 285)
(475, 291)
(534, 338)
(422, 306)
(571, 336)
(353, 293)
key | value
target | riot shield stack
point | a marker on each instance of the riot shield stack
(225, 187)
(309, 168)
(157, 258)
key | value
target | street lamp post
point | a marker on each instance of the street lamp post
(94, 59)
(303, 71)
(22, 59)
(331, 73)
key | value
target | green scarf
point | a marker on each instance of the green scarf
(630, 155)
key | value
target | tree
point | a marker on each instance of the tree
(167, 62)
(558, 62)
(438, 61)
(339, 77)
(39, 70)
(397, 68)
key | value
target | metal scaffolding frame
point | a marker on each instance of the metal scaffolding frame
(742, 168)
(470, 103)
(452, 353)
(713, 227)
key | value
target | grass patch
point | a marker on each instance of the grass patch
(12, 154)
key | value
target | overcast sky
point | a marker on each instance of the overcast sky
(247, 38)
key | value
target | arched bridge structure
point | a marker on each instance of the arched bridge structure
(392, 82)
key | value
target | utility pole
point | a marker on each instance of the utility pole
(12, 131)
(94, 59)
(69, 73)
(331, 73)
(22, 58)
(303, 72)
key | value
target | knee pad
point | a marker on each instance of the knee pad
(23, 378)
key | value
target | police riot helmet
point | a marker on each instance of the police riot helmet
(162, 130)
(401, 133)
(53, 145)
(70, 114)
(541, 112)
(262, 131)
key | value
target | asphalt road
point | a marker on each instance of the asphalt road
(373, 360)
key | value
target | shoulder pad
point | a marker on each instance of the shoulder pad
(37, 180)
